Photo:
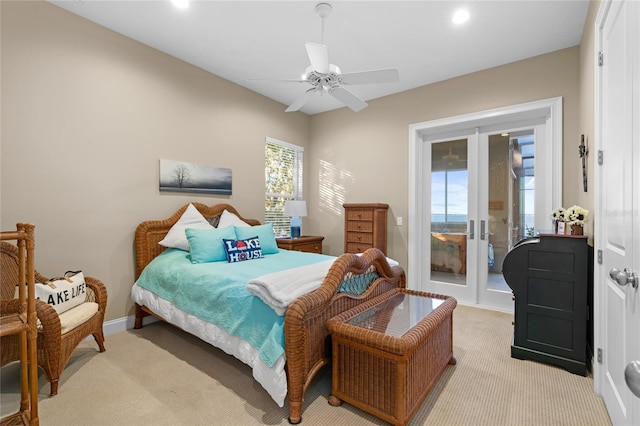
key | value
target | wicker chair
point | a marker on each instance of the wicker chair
(55, 344)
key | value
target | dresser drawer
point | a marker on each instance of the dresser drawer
(310, 244)
(308, 247)
(358, 237)
(358, 247)
(357, 226)
(360, 214)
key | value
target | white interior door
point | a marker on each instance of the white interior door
(618, 208)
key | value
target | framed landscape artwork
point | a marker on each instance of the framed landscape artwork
(180, 176)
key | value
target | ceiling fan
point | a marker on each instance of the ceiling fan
(451, 156)
(327, 78)
(453, 160)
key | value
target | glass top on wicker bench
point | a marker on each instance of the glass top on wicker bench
(396, 316)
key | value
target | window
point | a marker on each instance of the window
(449, 186)
(449, 200)
(283, 181)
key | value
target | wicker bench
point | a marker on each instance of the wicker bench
(389, 352)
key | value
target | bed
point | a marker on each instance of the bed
(449, 252)
(348, 281)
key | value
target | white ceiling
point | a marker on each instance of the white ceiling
(243, 40)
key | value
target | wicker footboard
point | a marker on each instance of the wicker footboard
(307, 340)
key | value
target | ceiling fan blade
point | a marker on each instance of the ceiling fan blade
(291, 80)
(348, 98)
(318, 57)
(389, 75)
(298, 103)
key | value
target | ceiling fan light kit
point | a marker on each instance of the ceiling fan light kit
(327, 78)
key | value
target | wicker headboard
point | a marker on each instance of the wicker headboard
(150, 232)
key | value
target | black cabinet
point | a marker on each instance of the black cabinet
(552, 280)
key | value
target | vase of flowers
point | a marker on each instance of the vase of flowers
(557, 216)
(576, 217)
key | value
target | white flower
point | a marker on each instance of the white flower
(576, 215)
(558, 214)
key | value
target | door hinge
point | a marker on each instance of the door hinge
(600, 58)
(600, 157)
(599, 356)
(599, 257)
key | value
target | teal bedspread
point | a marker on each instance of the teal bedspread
(216, 292)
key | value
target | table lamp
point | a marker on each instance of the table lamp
(295, 209)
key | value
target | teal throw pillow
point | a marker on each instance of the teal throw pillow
(206, 245)
(264, 233)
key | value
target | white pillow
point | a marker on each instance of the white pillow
(227, 219)
(191, 218)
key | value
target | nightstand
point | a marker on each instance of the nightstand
(310, 244)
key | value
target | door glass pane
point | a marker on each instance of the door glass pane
(511, 198)
(449, 206)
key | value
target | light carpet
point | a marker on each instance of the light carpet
(160, 375)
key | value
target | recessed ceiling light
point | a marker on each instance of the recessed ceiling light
(460, 17)
(182, 4)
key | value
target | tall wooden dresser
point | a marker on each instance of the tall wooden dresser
(365, 226)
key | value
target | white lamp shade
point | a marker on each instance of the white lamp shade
(295, 208)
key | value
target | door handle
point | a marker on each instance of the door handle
(632, 377)
(624, 277)
(472, 232)
(484, 235)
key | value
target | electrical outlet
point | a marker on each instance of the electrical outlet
(399, 220)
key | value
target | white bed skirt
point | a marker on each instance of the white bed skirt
(273, 380)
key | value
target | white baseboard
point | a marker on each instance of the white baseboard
(123, 324)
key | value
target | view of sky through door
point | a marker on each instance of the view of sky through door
(449, 183)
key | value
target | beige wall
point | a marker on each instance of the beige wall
(363, 157)
(87, 114)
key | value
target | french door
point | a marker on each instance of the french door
(458, 238)
(481, 199)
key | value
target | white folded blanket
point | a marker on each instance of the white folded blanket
(279, 289)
